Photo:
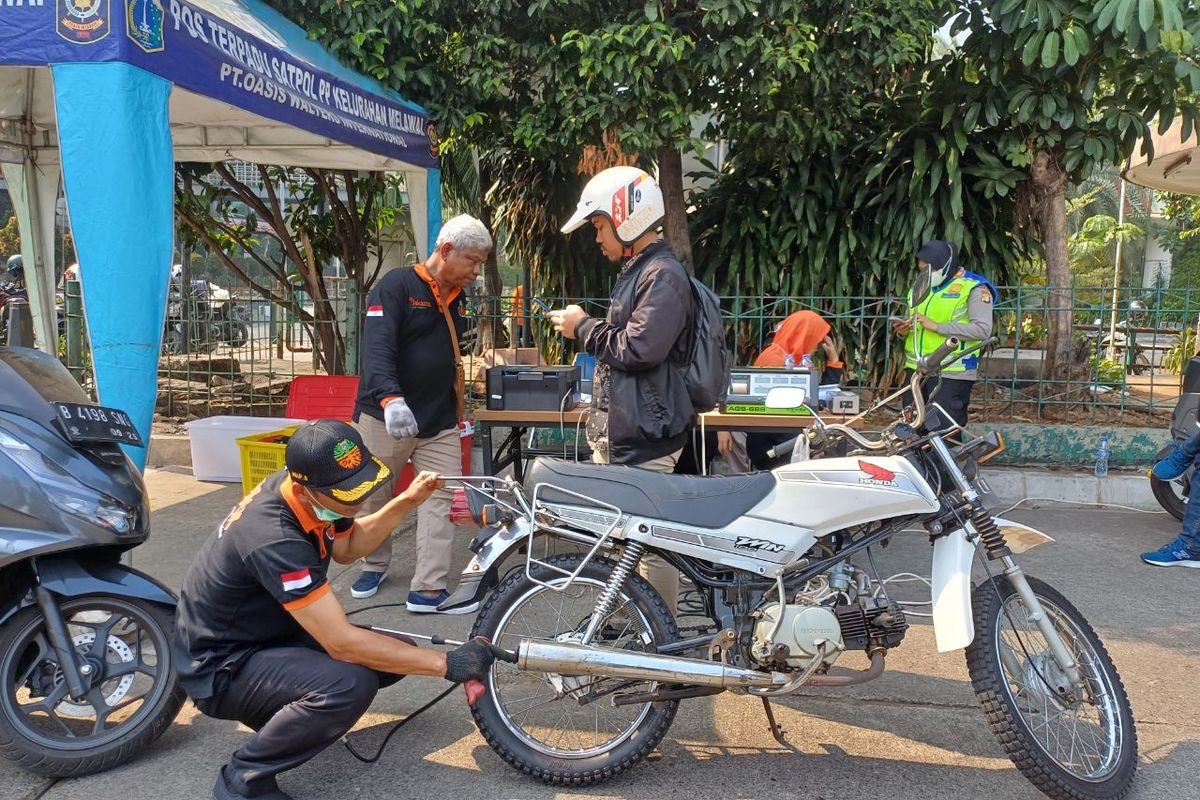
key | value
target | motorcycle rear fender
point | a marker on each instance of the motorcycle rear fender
(953, 622)
(479, 576)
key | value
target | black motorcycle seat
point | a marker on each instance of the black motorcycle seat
(703, 502)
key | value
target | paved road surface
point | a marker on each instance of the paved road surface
(915, 733)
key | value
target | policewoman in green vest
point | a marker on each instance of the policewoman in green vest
(959, 304)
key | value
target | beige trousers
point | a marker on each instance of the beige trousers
(661, 575)
(435, 532)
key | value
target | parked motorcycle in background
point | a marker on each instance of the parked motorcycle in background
(203, 318)
(785, 566)
(87, 677)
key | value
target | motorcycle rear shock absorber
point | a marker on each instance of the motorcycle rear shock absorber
(608, 596)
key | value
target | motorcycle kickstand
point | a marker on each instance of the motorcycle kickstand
(773, 726)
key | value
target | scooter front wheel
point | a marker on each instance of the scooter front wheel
(130, 701)
(567, 729)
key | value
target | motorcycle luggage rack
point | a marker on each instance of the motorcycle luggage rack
(545, 518)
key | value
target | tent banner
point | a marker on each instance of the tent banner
(234, 51)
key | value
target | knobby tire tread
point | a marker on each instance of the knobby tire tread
(986, 678)
(497, 739)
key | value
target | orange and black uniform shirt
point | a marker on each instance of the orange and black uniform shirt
(407, 350)
(269, 556)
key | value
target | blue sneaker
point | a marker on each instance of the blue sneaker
(428, 604)
(1173, 466)
(367, 584)
(1173, 555)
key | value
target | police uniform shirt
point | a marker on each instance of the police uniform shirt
(269, 557)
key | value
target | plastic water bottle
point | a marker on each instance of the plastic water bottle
(807, 361)
(1102, 454)
(789, 361)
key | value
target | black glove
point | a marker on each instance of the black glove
(471, 660)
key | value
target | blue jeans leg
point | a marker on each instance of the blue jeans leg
(1191, 448)
(1189, 532)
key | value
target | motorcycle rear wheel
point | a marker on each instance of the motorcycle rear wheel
(1171, 495)
(538, 725)
(1084, 749)
(131, 703)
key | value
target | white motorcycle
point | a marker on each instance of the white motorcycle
(784, 566)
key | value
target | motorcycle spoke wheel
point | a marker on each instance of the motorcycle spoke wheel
(1071, 743)
(565, 716)
(1083, 736)
(566, 729)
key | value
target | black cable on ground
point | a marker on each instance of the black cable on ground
(396, 727)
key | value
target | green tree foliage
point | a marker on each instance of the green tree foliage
(1060, 88)
(10, 240)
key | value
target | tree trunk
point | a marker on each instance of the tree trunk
(1050, 217)
(489, 321)
(675, 226)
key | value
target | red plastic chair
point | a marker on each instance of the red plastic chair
(322, 397)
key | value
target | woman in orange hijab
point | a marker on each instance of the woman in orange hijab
(800, 335)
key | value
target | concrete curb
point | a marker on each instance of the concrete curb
(1124, 488)
(170, 451)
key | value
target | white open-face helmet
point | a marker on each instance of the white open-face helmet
(629, 197)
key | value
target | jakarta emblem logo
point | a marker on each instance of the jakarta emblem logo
(83, 21)
(144, 24)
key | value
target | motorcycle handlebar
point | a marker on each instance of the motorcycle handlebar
(932, 363)
(928, 366)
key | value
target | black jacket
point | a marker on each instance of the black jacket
(407, 350)
(643, 345)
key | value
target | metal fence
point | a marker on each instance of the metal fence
(232, 351)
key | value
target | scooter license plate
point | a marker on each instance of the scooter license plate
(86, 423)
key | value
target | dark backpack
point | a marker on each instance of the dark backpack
(707, 375)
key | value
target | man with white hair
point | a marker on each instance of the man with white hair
(411, 394)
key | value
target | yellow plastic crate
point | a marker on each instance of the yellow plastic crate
(262, 455)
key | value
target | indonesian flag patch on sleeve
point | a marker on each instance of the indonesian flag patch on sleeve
(296, 580)
(374, 311)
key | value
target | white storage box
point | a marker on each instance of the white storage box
(215, 455)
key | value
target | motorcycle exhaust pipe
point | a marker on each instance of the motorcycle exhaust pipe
(565, 658)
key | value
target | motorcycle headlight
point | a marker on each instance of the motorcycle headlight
(64, 491)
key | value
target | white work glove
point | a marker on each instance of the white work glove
(399, 419)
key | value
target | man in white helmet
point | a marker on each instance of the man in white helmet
(641, 410)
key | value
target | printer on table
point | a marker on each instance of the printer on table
(519, 387)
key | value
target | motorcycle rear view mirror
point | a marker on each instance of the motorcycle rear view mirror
(786, 397)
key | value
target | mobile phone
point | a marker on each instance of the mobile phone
(540, 303)
(898, 319)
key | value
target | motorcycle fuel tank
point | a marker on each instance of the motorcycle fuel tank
(829, 494)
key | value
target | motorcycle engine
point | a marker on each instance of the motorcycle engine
(796, 644)
(864, 625)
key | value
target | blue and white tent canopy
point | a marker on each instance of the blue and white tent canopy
(107, 94)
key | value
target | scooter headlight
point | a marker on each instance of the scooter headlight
(64, 491)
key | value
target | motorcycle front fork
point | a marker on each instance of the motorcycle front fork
(74, 674)
(1016, 576)
(1066, 661)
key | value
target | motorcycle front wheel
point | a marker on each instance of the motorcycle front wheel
(1070, 744)
(564, 729)
(130, 703)
(1171, 495)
